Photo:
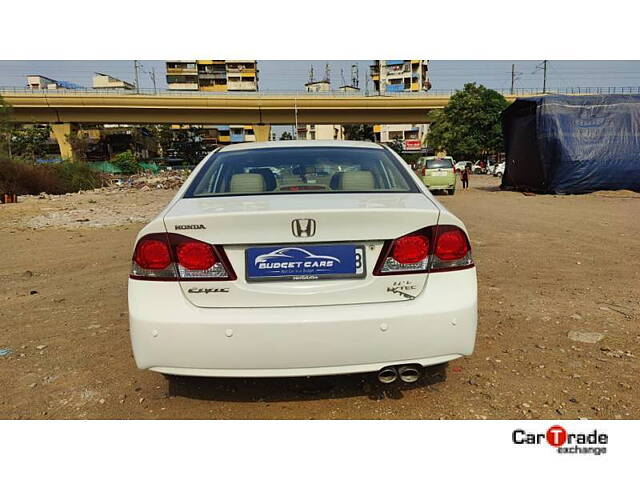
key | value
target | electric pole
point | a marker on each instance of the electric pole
(152, 74)
(544, 78)
(135, 69)
(514, 76)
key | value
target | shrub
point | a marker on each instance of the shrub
(126, 162)
(76, 176)
(24, 178)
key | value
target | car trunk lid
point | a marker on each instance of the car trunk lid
(267, 222)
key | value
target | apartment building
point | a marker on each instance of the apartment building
(320, 132)
(102, 81)
(401, 76)
(40, 82)
(412, 136)
(213, 75)
(216, 76)
(391, 76)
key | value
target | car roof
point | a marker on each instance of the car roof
(299, 143)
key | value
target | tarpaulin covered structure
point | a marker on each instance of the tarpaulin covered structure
(572, 144)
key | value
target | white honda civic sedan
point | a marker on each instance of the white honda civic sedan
(302, 258)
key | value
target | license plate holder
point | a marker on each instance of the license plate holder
(304, 262)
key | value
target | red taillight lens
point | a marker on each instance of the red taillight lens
(424, 171)
(152, 254)
(194, 255)
(410, 249)
(451, 245)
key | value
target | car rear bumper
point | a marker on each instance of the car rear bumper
(171, 335)
(435, 183)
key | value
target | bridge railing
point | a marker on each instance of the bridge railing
(304, 94)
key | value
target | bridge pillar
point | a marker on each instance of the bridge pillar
(61, 132)
(262, 132)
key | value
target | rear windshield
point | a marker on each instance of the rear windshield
(291, 170)
(440, 163)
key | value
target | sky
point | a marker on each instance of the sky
(291, 75)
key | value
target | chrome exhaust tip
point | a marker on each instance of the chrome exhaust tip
(387, 375)
(409, 373)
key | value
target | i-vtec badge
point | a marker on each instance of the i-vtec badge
(190, 227)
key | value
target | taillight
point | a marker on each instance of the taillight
(195, 255)
(424, 171)
(431, 249)
(170, 256)
(452, 250)
(410, 249)
(152, 254)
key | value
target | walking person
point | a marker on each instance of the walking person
(464, 176)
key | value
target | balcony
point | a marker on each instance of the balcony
(241, 70)
(394, 87)
(213, 75)
(183, 86)
(182, 71)
(213, 88)
(242, 86)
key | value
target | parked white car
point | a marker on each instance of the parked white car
(302, 258)
(498, 171)
(460, 166)
(478, 168)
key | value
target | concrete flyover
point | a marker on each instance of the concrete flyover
(65, 109)
(225, 109)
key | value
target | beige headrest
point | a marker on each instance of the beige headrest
(362, 180)
(247, 183)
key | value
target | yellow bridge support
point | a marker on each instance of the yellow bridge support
(62, 132)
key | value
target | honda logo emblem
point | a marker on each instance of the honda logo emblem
(303, 227)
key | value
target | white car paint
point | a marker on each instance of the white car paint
(288, 328)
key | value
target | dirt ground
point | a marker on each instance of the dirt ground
(554, 272)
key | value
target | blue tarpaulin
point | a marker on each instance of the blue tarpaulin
(572, 144)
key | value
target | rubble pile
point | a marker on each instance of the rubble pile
(167, 180)
(125, 200)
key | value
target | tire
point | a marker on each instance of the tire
(451, 191)
(499, 174)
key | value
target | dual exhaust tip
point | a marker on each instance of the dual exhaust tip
(406, 373)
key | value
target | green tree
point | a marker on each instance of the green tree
(126, 161)
(358, 132)
(5, 128)
(286, 136)
(79, 145)
(469, 125)
(30, 142)
(164, 135)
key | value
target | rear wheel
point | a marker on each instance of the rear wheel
(451, 191)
